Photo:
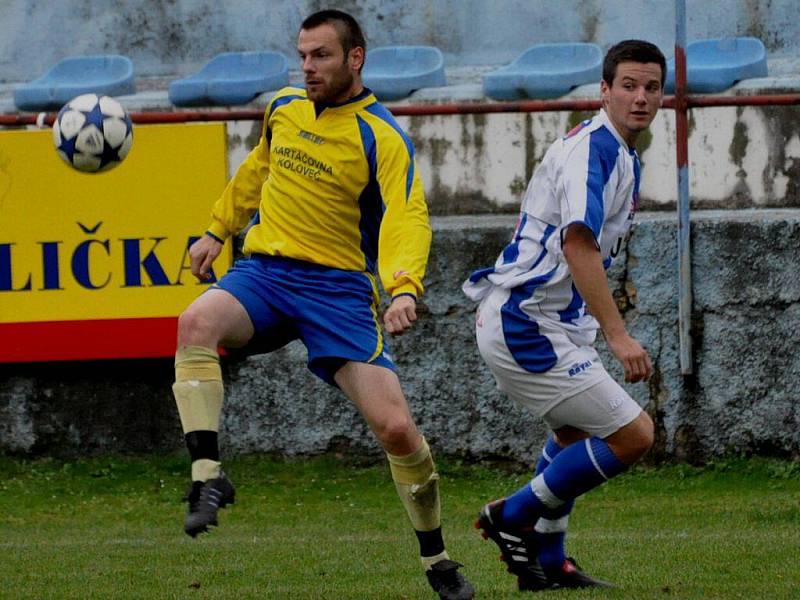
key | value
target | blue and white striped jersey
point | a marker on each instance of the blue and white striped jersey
(589, 176)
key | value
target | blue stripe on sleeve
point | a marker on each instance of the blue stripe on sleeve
(548, 231)
(370, 202)
(603, 148)
(511, 252)
(379, 111)
(480, 274)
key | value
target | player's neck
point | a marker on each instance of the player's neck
(628, 136)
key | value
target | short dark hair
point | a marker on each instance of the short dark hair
(350, 34)
(632, 51)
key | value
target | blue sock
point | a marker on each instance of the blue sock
(516, 509)
(574, 471)
(549, 452)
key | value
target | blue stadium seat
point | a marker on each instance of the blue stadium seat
(231, 78)
(545, 71)
(715, 65)
(108, 74)
(394, 72)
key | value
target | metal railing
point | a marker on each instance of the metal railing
(419, 110)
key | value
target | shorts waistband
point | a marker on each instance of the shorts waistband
(287, 262)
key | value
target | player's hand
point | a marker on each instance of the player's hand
(400, 314)
(633, 357)
(202, 255)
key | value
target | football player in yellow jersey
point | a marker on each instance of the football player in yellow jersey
(336, 202)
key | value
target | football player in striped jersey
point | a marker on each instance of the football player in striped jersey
(541, 304)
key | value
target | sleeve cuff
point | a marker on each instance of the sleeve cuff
(579, 222)
(395, 296)
(218, 231)
(408, 289)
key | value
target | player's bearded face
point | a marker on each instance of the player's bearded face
(634, 97)
(335, 86)
(330, 75)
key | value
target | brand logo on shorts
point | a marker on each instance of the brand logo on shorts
(579, 368)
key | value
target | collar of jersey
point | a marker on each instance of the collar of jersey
(355, 103)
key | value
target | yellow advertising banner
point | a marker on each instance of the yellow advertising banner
(103, 253)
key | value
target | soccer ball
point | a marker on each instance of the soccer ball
(93, 133)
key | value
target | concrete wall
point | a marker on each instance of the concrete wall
(169, 37)
(742, 397)
(738, 157)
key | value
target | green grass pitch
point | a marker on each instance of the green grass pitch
(325, 528)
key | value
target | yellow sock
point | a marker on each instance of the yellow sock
(417, 484)
(199, 393)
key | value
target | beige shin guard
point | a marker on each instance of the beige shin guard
(417, 484)
(198, 393)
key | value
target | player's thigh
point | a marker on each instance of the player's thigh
(215, 318)
(338, 322)
(600, 410)
(376, 392)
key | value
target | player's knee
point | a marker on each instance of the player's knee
(195, 328)
(397, 432)
(642, 437)
(631, 442)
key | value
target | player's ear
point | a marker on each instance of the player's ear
(356, 58)
(605, 90)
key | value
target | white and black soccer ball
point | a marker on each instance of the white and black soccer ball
(93, 133)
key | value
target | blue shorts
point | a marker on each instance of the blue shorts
(333, 312)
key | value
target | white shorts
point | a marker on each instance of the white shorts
(599, 410)
(539, 368)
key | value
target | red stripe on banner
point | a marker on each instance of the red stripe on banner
(88, 340)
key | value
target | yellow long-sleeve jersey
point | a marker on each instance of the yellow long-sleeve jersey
(334, 185)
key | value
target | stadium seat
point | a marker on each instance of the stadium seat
(231, 78)
(545, 71)
(108, 74)
(715, 65)
(394, 72)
